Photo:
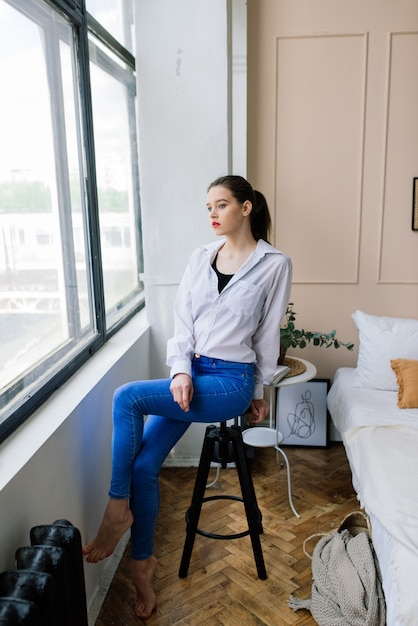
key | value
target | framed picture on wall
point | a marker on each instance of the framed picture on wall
(415, 205)
(302, 413)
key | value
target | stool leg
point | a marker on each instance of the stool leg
(250, 501)
(248, 477)
(195, 508)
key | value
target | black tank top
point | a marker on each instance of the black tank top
(223, 279)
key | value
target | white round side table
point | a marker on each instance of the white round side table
(271, 437)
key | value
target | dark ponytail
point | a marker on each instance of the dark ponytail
(260, 218)
(241, 189)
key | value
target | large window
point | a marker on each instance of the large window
(70, 232)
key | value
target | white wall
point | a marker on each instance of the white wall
(183, 86)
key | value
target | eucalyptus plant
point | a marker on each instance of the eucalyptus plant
(292, 337)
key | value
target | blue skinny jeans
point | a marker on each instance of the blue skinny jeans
(222, 390)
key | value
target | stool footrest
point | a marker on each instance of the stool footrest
(206, 533)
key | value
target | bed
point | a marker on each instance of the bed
(381, 442)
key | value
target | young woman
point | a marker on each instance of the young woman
(227, 315)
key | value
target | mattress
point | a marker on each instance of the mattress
(381, 442)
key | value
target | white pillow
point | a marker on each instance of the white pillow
(380, 340)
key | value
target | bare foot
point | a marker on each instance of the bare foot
(142, 577)
(116, 520)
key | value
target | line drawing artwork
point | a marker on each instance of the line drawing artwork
(301, 413)
(301, 422)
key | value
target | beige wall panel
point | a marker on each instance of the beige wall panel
(357, 246)
(399, 244)
(319, 154)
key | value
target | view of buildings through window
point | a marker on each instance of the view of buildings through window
(70, 235)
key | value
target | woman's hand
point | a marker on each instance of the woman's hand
(260, 409)
(182, 389)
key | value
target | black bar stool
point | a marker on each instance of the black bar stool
(223, 444)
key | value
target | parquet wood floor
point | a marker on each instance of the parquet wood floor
(222, 587)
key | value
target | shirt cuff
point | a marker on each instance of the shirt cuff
(258, 391)
(182, 366)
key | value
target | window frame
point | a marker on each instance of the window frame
(82, 24)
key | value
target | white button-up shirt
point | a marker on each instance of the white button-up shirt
(242, 323)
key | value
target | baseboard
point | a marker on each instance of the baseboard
(182, 461)
(105, 580)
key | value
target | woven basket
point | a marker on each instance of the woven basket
(296, 367)
(356, 522)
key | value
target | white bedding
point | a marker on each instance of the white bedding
(381, 441)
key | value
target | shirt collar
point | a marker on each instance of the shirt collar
(265, 248)
(261, 250)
